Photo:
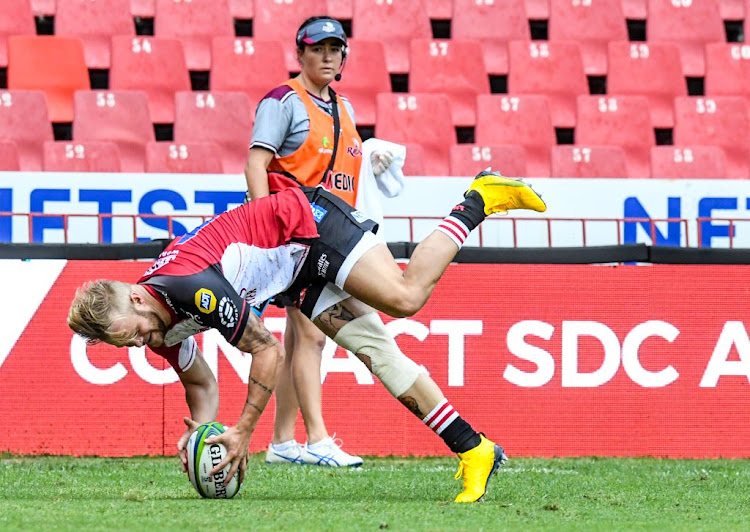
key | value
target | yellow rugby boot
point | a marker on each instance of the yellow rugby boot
(477, 467)
(501, 194)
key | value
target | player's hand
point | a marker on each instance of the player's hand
(182, 442)
(236, 442)
(381, 161)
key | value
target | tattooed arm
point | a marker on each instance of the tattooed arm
(268, 357)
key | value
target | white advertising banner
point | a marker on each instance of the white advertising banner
(190, 198)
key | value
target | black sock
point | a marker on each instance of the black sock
(470, 211)
(456, 433)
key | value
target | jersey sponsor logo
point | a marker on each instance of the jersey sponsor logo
(228, 312)
(318, 212)
(205, 300)
(359, 216)
(164, 259)
(342, 181)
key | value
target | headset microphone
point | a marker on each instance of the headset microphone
(337, 77)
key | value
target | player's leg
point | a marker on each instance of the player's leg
(377, 280)
(358, 328)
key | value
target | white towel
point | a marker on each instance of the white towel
(390, 183)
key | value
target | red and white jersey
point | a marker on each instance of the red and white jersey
(210, 277)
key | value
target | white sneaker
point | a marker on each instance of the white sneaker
(290, 455)
(328, 452)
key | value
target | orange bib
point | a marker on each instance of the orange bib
(309, 162)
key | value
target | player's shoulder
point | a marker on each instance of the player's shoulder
(279, 94)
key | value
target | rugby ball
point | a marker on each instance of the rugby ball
(203, 457)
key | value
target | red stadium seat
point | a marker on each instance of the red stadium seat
(728, 70)
(588, 161)
(689, 24)
(241, 9)
(43, 8)
(142, 8)
(188, 158)
(414, 163)
(452, 67)
(341, 9)
(720, 121)
(440, 9)
(537, 9)
(224, 118)
(9, 156)
(247, 65)
(16, 18)
(623, 121)
(732, 9)
(194, 23)
(394, 24)
(688, 162)
(592, 24)
(649, 69)
(24, 120)
(94, 23)
(524, 120)
(151, 64)
(470, 159)
(54, 65)
(635, 9)
(278, 21)
(494, 25)
(121, 117)
(90, 156)
(365, 75)
(554, 69)
(423, 119)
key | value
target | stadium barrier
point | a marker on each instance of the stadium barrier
(548, 359)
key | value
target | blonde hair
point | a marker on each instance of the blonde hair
(95, 306)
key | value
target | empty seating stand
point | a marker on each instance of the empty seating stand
(16, 18)
(55, 65)
(89, 156)
(395, 24)
(9, 156)
(194, 24)
(524, 120)
(94, 23)
(25, 121)
(688, 162)
(365, 75)
(648, 69)
(453, 67)
(183, 158)
(470, 159)
(690, 24)
(623, 121)
(590, 23)
(718, 121)
(120, 117)
(247, 65)
(728, 70)
(588, 161)
(554, 69)
(224, 118)
(493, 25)
(423, 119)
(153, 65)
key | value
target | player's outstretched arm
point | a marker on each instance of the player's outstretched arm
(268, 357)
(202, 396)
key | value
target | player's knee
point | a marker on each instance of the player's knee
(408, 303)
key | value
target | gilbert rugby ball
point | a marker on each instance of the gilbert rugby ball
(203, 457)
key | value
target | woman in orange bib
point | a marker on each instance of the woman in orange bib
(306, 131)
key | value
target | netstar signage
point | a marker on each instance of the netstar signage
(550, 360)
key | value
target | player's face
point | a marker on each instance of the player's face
(321, 61)
(138, 328)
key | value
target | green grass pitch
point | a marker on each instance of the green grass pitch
(63, 493)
